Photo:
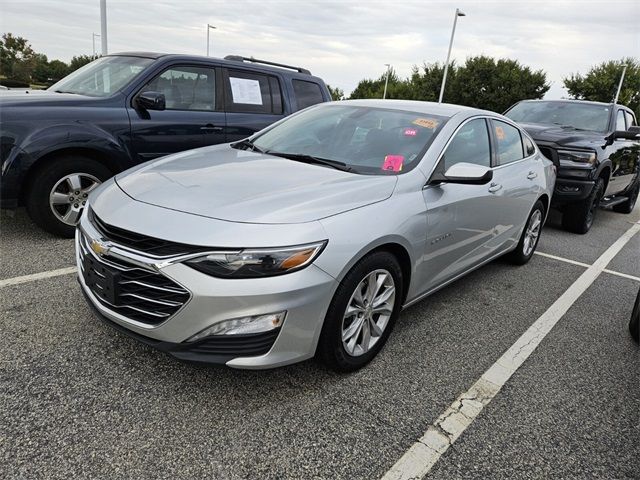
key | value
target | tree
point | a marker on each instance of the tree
(601, 83)
(375, 88)
(336, 93)
(17, 58)
(494, 85)
(81, 61)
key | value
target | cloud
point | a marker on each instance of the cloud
(343, 41)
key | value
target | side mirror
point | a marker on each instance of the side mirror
(151, 101)
(465, 173)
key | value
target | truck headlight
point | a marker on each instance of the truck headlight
(255, 263)
(576, 158)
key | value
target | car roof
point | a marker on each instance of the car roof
(232, 60)
(570, 100)
(433, 108)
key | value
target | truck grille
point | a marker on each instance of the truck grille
(136, 293)
(142, 243)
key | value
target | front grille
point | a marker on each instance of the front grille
(142, 243)
(134, 292)
(235, 345)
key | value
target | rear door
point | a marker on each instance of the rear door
(463, 220)
(515, 178)
(624, 156)
(193, 116)
(253, 101)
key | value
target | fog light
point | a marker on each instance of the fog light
(242, 326)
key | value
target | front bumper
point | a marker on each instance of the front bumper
(304, 295)
(570, 190)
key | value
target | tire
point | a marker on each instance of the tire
(634, 323)
(383, 266)
(530, 236)
(55, 181)
(627, 207)
(579, 217)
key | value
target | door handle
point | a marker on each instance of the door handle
(209, 128)
(532, 175)
(494, 187)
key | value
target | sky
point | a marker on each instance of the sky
(342, 41)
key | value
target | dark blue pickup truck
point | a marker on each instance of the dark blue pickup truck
(124, 109)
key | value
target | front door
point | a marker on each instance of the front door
(192, 118)
(463, 220)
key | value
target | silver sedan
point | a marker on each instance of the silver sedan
(311, 236)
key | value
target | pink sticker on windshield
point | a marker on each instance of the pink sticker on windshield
(393, 163)
(410, 132)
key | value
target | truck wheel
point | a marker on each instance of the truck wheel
(59, 190)
(578, 217)
(627, 207)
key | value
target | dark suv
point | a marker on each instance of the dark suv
(127, 108)
(596, 148)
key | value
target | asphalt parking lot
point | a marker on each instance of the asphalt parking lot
(80, 400)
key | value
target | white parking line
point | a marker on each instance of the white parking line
(37, 276)
(586, 265)
(423, 455)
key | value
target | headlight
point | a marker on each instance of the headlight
(253, 263)
(575, 158)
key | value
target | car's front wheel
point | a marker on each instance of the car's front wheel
(59, 192)
(634, 323)
(578, 217)
(362, 313)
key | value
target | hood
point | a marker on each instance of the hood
(22, 97)
(241, 186)
(564, 136)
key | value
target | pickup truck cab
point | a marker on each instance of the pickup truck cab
(124, 109)
(596, 149)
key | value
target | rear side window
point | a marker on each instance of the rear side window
(529, 148)
(630, 120)
(186, 88)
(509, 143)
(307, 93)
(470, 145)
(248, 92)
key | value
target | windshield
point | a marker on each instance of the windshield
(583, 116)
(364, 139)
(102, 77)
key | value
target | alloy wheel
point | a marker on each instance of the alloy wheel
(68, 196)
(532, 233)
(368, 312)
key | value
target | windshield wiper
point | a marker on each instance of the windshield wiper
(569, 126)
(66, 91)
(301, 157)
(247, 144)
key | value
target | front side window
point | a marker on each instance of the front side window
(469, 145)
(248, 92)
(102, 77)
(307, 93)
(620, 123)
(368, 140)
(509, 143)
(186, 88)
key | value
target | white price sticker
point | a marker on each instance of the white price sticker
(246, 91)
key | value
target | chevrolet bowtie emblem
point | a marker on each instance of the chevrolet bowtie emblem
(99, 247)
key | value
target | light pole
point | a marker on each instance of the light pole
(624, 69)
(209, 27)
(386, 81)
(94, 35)
(103, 25)
(446, 65)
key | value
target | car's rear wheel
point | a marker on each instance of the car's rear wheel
(630, 203)
(59, 191)
(578, 217)
(530, 236)
(362, 313)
